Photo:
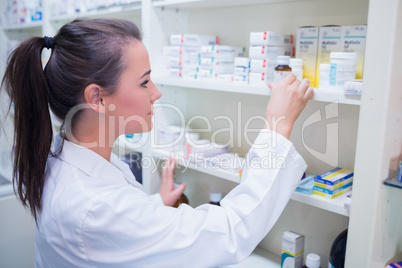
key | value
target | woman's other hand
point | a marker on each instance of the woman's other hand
(167, 191)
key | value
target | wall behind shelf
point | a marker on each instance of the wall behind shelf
(233, 24)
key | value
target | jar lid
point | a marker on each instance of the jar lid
(283, 60)
(343, 55)
(313, 261)
(296, 62)
(215, 196)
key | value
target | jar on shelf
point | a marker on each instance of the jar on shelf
(215, 198)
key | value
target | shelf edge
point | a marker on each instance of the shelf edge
(321, 95)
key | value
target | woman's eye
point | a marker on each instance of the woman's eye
(145, 83)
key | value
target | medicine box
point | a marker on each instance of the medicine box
(174, 62)
(227, 78)
(219, 66)
(178, 51)
(394, 265)
(262, 66)
(329, 40)
(306, 185)
(242, 62)
(333, 176)
(222, 52)
(269, 53)
(257, 79)
(270, 39)
(306, 49)
(354, 87)
(240, 79)
(335, 186)
(332, 196)
(192, 40)
(332, 192)
(292, 250)
(205, 74)
(354, 40)
(175, 72)
(241, 70)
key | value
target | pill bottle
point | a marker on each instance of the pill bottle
(343, 68)
(324, 70)
(312, 261)
(182, 200)
(282, 69)
(215, 198)
(297, 67)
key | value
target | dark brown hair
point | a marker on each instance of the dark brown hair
(84, 52)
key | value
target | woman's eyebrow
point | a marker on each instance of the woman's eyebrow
(146, 73)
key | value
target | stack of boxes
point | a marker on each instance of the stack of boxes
(315, 44)
(241, 70)
(333, 183)
(193, 56)
(265, 47)
(181, 58)
(217, 62)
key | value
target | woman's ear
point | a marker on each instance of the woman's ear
(93, 98)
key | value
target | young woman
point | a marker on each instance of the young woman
(89, 210)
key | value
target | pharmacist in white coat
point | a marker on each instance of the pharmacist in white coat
(90, 211)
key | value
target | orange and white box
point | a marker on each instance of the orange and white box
(257, 79)
(193, 40)
(262, 66)
(269, 52)
(270, 39)
(222, 52)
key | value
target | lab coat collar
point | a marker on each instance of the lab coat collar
(93, 164)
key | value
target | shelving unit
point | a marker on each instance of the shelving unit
(369, 127)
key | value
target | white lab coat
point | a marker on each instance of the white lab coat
(96, 215)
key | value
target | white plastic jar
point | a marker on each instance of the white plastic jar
(297, 67)
(324, 71)
(343, 68)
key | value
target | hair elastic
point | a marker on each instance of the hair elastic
(48, 42)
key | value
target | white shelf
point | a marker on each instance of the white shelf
(100, 12)
(259, 258)
(217, 172)
(197, 4)
(27, 26)
(319, 94)
(335, 205)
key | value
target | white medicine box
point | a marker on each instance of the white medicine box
(292, 250)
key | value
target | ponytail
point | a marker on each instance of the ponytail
(25, 83)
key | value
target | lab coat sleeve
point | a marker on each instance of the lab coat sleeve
(157, 197)
(127, 229)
